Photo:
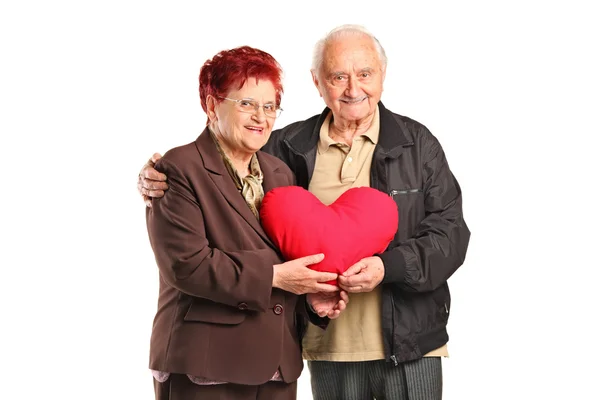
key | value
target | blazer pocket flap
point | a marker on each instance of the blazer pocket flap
(214, 313)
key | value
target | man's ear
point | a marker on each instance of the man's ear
(211, 105)
(315, 80)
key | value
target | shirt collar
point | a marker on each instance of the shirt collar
(325, 141)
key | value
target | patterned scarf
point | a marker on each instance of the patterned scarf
(249, 186)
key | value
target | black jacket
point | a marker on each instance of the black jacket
(431, 243)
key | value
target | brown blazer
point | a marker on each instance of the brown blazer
(218, 316)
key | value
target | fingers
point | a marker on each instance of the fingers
(357, 286)
(154, 185)
(337, 310)
(326, 306)
(148, 172)
(354, 289)
(324, 276)
(155, 158)
(152, 193)
(344, 296)
(322, 314)
(362, 277)
(325, 288)
(354, 280)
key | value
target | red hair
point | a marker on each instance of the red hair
(232, 68)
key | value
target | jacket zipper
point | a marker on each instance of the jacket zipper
(393, 356)
(409, 191)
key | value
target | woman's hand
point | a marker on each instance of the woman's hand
(295, 277)
(328, 305)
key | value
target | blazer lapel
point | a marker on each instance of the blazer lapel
(213, 162)
(272, 176)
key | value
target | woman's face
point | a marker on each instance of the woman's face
(243, 129)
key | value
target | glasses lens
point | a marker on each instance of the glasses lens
(251, 106)
(248, 106)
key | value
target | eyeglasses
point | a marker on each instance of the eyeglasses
(251, 107)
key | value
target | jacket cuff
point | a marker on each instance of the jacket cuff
(394, 266)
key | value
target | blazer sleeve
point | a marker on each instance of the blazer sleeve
(185, 260)
(439, 246)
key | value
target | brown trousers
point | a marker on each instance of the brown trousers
(179, 387)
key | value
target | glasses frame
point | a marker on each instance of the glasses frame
(278, 110)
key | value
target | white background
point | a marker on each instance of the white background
(89, 90)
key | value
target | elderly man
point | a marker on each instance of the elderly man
(389, 341)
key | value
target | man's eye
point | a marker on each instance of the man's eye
(365, 75)
(340, 78)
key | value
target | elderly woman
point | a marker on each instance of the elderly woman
(229, 318)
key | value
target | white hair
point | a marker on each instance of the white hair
(345, 31)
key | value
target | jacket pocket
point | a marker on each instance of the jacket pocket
(214, 313)
(442, 300)
(411, 211)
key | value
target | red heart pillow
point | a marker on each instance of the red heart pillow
(360, 223)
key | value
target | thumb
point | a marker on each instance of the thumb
(313, 259)
(353, 270)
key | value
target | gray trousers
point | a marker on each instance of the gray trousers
(366, 380)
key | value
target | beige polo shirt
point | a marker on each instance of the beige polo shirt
(357, 334)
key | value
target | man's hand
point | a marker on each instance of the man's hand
(151, 183)
(328, 305)
(295, 277)
(363, 276)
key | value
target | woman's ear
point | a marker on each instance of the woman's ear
(211, 105)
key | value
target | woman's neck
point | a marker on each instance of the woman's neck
(241, 161)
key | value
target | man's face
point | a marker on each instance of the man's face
(351, 77)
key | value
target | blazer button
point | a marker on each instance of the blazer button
(278, 309)
(242, 306)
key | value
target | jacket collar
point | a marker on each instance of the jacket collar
(393, 134)
(213, 162)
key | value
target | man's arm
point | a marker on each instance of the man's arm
(438, 247)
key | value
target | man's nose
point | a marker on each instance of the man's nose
(353, 88)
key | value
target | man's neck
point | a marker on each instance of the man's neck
(346, 131)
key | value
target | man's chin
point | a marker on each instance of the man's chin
(355, 113)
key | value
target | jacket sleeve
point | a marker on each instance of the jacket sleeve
(439, 245)
(187, 262)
